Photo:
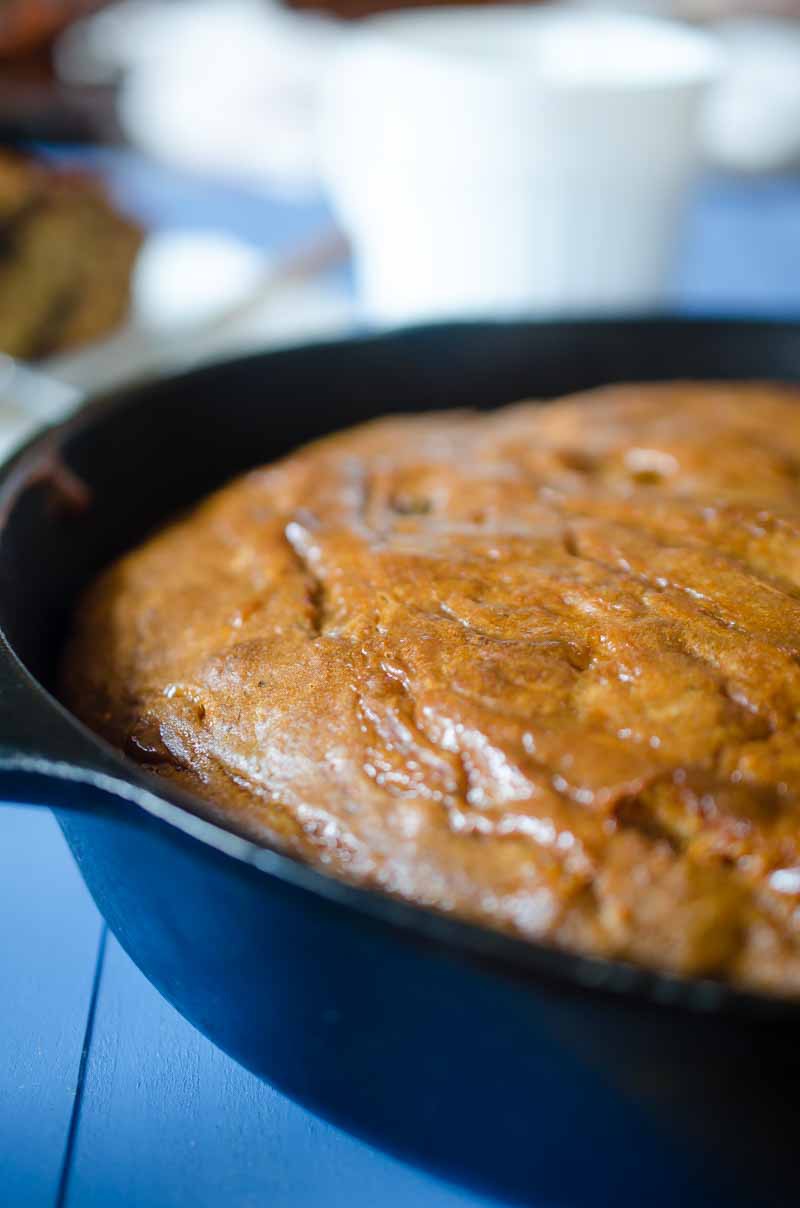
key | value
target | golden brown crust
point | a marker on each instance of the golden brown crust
(537, 668)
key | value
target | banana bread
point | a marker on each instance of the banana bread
(66, 259)
(536, 668)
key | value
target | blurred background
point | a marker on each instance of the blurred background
(181, 179)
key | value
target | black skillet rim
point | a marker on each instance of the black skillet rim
(618, 982)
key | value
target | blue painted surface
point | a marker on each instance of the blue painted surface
(49, 935)
(167, 199)
(162, 1118)
(167, 1120)
(741, 248)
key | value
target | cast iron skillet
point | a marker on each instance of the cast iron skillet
(539, 1076)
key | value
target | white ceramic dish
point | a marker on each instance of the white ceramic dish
(488, 160)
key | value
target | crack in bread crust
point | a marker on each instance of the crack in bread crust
(539, 668)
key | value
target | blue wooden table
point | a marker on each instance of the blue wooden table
(106, 1096)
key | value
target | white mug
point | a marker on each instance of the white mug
(488, 160)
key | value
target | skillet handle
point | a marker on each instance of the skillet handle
(48, 757)
(35, 739)
(41, 743)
